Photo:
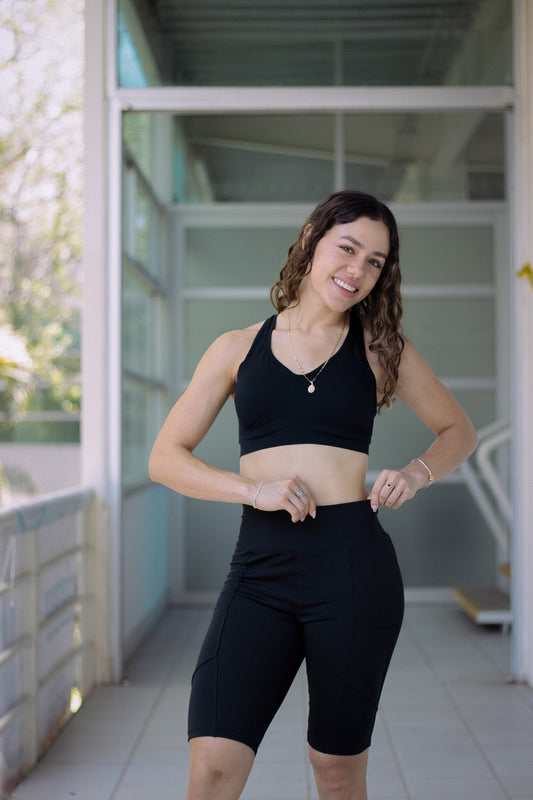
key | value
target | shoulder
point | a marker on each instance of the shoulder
(232, 342)
(229, 349)
(412, 362)
(417, 383)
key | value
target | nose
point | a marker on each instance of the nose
(355, 265)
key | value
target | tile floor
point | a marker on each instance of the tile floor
(450, 727)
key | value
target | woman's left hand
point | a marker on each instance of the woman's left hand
(392, 488)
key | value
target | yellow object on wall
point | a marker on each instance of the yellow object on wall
(526, 272)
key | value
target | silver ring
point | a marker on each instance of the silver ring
(388, 485)
(299, 493)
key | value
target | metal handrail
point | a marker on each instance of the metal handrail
(479, 495)
(492, 478)
(491, 437)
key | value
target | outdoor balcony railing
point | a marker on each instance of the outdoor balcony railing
(52, 607)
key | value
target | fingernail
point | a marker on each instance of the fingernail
(373, 507)
(313, 514)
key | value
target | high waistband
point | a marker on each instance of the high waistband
(336, 526)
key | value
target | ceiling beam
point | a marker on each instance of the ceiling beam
(253, 100)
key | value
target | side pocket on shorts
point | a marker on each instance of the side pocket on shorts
(378, 583)
(210, 645)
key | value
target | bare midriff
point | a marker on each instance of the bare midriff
(331, 474)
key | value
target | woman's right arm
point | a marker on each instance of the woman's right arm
(172, 461)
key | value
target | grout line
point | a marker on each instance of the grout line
(459, 713)
(390, 738)
(190, 627)
(527, 693)
(492, 661)
(395, 757)
(309, 780)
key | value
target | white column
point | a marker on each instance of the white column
(522, 336)
(95, 437)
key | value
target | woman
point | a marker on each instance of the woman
(314, 576)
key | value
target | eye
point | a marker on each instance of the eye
(375, 263)
(347, 248)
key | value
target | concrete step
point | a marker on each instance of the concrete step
(485, 605)
(505, 570)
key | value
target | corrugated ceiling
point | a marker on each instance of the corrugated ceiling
(309, 42)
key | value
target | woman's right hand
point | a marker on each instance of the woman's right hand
(287, 494)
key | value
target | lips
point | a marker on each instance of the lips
(346, 288)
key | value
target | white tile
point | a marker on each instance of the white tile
(513, 768)
(455, 789)
(434, 759)
(92, 751)
(279, 780)
(63, 782)
(384, 780)
(445, 711)
(150, 753)
(518, 785)
(150, 781)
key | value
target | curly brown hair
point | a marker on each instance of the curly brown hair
(381, 310)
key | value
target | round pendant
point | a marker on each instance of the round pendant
(311, 388)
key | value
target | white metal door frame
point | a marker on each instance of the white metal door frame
(104, 277)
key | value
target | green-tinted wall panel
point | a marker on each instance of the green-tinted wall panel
(236, 256)
(455, 335)
(446, 254)
(441, 539)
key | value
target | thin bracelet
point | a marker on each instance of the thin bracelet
(431, 477)
(256, 493)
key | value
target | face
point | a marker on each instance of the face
(348, 261)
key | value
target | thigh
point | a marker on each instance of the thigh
(251, 653)
(348, 651)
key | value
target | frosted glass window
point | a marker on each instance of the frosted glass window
(140, 327)
(140, 419)
(235, 256)
(456, 336)
(447, 254)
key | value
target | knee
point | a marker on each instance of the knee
(340, 777)
(217, 763)
(208, 766)
(332, 777)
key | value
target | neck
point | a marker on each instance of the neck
(309, 316)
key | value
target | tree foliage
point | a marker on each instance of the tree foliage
(15, 375)
(41, 60)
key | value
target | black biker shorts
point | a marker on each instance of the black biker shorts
(327, 590)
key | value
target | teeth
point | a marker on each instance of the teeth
(344, 285)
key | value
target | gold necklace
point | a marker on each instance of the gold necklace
(311, 388)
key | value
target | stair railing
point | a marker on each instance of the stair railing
(491, 437)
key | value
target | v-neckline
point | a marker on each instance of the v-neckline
(315, 369)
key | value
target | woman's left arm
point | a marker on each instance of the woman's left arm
(431, 401)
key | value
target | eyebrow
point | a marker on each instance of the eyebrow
(358, 244)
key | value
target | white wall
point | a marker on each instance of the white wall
(52, 467)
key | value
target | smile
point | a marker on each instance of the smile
(344, 285)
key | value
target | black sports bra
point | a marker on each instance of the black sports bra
(274, 407)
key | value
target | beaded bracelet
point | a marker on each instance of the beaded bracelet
(431, 477)
(256, 493)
